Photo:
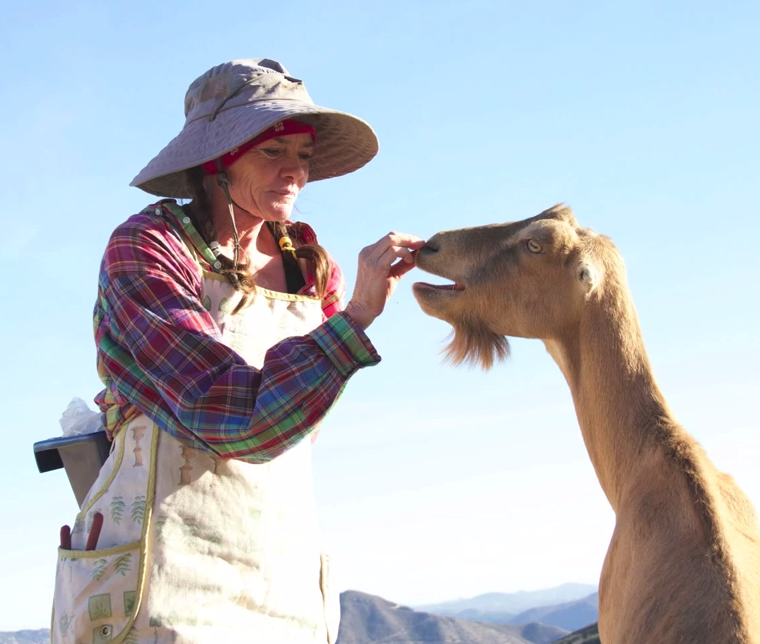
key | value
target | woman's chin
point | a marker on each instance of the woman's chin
(267, 214)
(276, 210)
(278, 215)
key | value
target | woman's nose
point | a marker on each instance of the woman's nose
(296, 168)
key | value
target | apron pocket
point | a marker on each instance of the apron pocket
(96, 594)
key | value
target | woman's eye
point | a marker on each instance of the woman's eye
(306, 156)
(534, 246)
(271, 152)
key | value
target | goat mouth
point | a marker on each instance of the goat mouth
(438, 287)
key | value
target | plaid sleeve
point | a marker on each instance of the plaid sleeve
(160, 349)
(336, 289)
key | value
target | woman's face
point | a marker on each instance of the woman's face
(266, 180)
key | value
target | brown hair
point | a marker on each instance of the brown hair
(199, 211)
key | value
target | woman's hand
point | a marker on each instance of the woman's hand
(381, 266)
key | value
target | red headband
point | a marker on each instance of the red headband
(281, 128)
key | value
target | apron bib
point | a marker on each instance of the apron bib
(196, 549)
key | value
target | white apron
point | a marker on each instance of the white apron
(196, 549)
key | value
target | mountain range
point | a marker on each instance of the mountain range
(38, 636)
(569, 607)
(495, 618)
(367, 618)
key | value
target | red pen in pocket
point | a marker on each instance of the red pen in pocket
(66, 537)
(97, 524)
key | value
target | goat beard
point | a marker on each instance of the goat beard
(473, 343)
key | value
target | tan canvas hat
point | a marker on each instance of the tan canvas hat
(232, 103)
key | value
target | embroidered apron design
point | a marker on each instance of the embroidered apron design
(196, 549)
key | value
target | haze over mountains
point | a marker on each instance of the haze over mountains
(569, 606)
(570, 616)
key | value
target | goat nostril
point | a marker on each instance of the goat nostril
(429, 248)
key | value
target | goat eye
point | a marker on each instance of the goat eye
(534, 246)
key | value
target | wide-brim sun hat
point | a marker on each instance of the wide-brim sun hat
(232, 103)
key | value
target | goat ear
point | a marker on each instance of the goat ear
(588, 275)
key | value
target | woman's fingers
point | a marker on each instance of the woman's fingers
(392, 241)
(401, 268)
(390, 248)
(401, 239)
(394, 253)
(381, 265)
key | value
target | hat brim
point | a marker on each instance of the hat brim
(344, 143)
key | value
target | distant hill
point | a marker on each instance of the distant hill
(40, 636)
(367, 618)
(570, 616)
(509, 604)
(588, 635)
(540, 633)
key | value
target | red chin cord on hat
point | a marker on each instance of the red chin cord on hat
(281, 128)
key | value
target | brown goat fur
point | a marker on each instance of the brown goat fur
(684, 559)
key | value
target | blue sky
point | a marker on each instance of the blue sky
(433, 483)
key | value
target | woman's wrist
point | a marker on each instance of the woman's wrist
(358, 315)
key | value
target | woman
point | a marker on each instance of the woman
(222, 345)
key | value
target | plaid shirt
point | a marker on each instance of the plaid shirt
(161, 353)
